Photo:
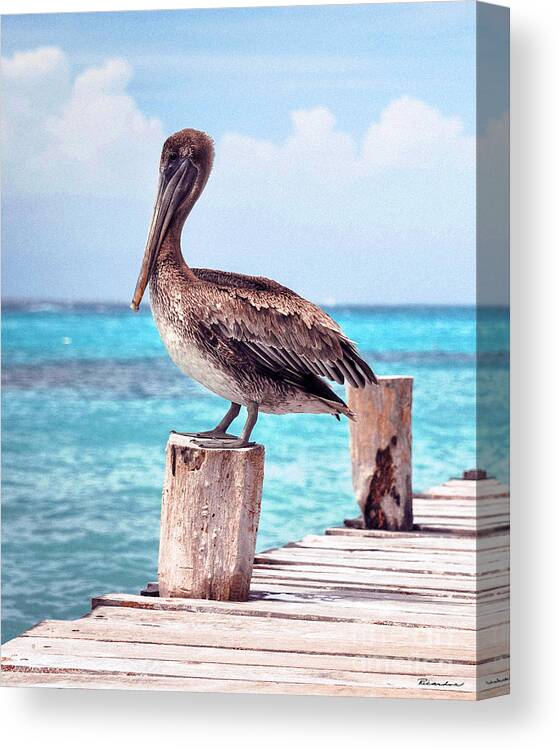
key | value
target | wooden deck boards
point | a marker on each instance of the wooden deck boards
(351, 612)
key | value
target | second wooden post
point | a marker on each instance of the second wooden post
(209, 519)
(381, 452)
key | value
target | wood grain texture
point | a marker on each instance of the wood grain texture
(415, 614)
(381, 442)
(209, 519)
(464, 505)
(185, 654)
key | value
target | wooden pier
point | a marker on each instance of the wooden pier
(419, 614)
(415, 604)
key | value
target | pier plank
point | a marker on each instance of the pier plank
(467, 566)
(274, 604)
(32, 645)
(461, 508)
(390, 602)
(310, 590)
(99, 680)
(266, 673)
(418, 539)
(378, 579)
(204, 629)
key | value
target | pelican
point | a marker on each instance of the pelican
(246, 338)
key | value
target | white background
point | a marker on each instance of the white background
(107, 719)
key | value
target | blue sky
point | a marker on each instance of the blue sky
(345, 145)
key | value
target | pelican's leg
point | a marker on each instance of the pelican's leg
(221, 430)
(243, 440)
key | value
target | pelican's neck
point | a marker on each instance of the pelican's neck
(170, 253)
(170, 250)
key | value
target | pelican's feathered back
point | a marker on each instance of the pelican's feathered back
(281, 329)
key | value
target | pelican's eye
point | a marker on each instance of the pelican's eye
(171, 158)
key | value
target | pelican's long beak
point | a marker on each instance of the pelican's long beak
(174, 184)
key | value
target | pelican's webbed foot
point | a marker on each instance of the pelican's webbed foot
(214, 434)
(228, 443)
(219, 432)
(232, 442)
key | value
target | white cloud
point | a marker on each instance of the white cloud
(33, 64)
(411, 162)
(409, 134)
(412, 134)
(89, 134)
(78, 136)
(33, 83)
(402, 197)
(399, 200)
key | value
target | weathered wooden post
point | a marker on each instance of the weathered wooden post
(381, 452)
(209, 519)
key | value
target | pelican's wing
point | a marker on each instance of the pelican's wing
(282, 330)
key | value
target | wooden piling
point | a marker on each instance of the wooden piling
(209, 519)
(381, 452)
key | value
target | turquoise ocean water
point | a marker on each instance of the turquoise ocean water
(89, 396)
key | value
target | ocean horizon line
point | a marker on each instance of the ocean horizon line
(55, 305)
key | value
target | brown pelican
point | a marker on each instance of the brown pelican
(247, 338)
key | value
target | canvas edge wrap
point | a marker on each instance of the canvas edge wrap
(492, 258)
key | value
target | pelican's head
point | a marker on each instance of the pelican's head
(186, 161)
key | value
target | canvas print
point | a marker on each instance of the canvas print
(255, 350)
